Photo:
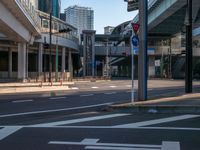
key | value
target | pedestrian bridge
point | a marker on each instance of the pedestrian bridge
(169, 16)
(19, 21)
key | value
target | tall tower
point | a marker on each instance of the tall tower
(80, 17)
(45, 5)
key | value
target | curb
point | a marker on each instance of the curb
(154, 109)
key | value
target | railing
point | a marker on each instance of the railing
(57, 24)
(27, 5)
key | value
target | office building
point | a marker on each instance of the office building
(80, 17)
(44, 5)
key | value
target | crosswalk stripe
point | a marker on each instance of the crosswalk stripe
(156, 121)
(79, 120)
(6, 131)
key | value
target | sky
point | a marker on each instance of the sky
(106, 12)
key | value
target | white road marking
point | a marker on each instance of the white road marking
(92, 144)
(6, 131)
(113, 86)
(90, 141)
(116, 148)
(78, 120)
(156, 121)
(53, 110)
(54, 98)
(85, 95)
(170, 145)
(74, 88)
(102, 144)
(109, 93)
(94, 87)
(113, 127)
(22, 101)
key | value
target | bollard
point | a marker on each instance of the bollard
(40, 84)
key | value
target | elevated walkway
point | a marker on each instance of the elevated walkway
(167, 17)
(20, 22)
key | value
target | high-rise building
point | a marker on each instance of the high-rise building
(45, 5)
(80, 17)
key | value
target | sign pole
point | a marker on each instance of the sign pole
(132, 69)
(134, 43)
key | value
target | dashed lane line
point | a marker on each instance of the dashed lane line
(22, 101)
(86, 95)
(56, 98)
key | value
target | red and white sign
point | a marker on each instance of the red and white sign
(135, 27)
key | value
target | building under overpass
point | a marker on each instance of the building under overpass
(24, 43)
(166, 42)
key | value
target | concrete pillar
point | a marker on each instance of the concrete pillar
(21, 61)
(70, 65)
(10, 63)
(63, 59)
(40, 59)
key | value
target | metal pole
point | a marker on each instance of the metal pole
(132, 69)
(107, 59)
(50, 44)
(142, 62)
(188, 68)
(56, 58)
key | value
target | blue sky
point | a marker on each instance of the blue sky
(106, 12)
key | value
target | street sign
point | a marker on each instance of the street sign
(132, 5)
(135, 41)
(135, 27)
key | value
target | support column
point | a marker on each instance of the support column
(10, 63)
(70, 66)
(142, 62)
(189, 54)
(40, 59)
(63, 60)
(21, 61)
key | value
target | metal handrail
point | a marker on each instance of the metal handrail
(31, 11)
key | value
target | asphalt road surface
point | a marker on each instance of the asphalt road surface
(71, 120)
(105, 131)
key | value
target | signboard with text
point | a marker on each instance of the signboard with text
(132, 5)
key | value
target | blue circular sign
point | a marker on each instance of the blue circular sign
(135, 40)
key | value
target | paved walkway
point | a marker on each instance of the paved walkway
(15, 88)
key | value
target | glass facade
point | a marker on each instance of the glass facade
(44, 5)
(80, 17)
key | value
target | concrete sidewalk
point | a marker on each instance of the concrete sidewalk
(187, 103)
(17, 88)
